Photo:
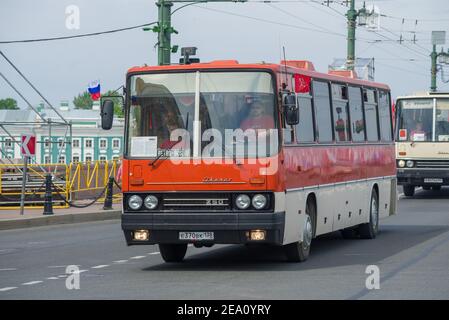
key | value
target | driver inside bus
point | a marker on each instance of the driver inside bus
(257, 117)
(418, 134)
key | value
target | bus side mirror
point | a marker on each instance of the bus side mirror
(291, 110)
(107, 114)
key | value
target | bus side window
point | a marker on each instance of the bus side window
(304, 129)
(340, 110)
(322, 109)
(370, 106)
(356, 114)
(287, 132)
(384, 116)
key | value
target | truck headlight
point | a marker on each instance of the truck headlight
(410, 164)
(401, 163)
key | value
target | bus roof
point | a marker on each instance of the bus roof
(422, 95)
(293, 66)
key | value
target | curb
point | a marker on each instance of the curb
(59, 219)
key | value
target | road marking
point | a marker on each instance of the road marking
(31, 283)
(120, 261)
(77, 265)
(52, 278)
(79, 271)
(138, 257)
(7, 289)
(62, 276)
(154, 252)
(8, 269)
(100, 266)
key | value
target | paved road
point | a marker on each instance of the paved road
(412, 253)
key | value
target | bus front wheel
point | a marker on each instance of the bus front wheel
(409, 190)
(299, 251)
(173, 252)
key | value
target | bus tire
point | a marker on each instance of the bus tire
(299, 251)
(436, 188)
(369, 230)
(409, 190)
(427, 188)
(173, 252)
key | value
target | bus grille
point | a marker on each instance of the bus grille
(197, 201)
(436, 164)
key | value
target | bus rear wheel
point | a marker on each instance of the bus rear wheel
(409, 190)
(173, 252)
(369, 230)
(299, 251)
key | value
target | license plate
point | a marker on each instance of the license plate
(433, 180)
(197, 236)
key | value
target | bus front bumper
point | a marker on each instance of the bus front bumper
(422, 177)
(227, 227)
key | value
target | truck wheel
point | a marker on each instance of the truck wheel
(369, 230)
(409, 190)
(299, 251)
(173, 252)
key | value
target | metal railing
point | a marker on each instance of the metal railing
(72, 182)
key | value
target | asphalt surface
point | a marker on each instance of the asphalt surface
(411, 252)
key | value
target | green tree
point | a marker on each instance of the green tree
(118, 108)
(83, 101)
(9, 104)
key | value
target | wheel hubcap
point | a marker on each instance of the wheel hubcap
(307, 236)
(374, 213)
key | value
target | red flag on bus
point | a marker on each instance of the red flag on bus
(302, 83)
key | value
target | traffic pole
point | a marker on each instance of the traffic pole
(352, 16)
(433, 70)
(48, 202)
(108, 197)
(24, 178)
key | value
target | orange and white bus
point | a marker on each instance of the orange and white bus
(275, 154)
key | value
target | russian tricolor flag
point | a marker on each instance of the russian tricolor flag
(94, 90)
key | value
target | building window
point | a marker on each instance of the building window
(75, 143)
(47, 159)
(116, 143)
(8, 143)
(103, 143)
(115, 158)
(47, 143)
(61, 159)
(61, 143)
(103, 158)
(76, 159)
(88, 143)
(88, 158)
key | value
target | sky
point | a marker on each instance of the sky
(247, 32)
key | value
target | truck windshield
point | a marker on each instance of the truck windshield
(418, 120)
(211, 112)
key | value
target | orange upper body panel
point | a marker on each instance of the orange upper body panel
(276, 68)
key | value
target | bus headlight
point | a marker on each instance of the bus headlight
(151, 202)
(242, 201)
(135, 202)
(259, 201)
(401, 163)
(410, 164)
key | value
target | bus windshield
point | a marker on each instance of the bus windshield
(165, 117)
(418, 120)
